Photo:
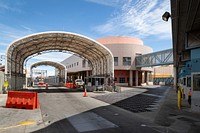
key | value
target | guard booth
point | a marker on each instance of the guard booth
(95, 83)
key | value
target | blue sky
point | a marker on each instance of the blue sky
(92, 18)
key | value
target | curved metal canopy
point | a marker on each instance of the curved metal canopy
(49, 63)
(98, 55)
(62, 68)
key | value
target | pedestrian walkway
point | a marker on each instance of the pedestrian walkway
(183, 121)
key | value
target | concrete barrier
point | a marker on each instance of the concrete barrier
(149, 83)
(22, 100)
(143, 84)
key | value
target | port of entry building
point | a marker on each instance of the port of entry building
(124, 50)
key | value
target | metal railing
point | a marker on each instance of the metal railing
(164, 57)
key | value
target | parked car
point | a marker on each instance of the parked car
(79, 82)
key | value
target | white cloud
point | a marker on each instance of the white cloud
(27, 28)
(113, 3)
(9, 6)
(141, 18)
(4, 6)
(3, 44)
(9, 34)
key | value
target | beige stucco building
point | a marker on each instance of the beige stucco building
(124, 50)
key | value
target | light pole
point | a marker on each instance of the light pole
(165, 17)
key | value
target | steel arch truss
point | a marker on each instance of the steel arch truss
(98, 55)
(62, 68)
(164, 57)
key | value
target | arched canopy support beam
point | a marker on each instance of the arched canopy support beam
(98, 55)
(62, 69)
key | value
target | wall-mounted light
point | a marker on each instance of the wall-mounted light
(166, 16)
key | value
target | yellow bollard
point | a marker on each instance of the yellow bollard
(179, 99)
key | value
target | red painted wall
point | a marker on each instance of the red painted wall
(121, 74)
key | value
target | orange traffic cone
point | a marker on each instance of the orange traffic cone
(85, 93)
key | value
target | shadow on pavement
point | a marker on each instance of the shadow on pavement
(109, 119)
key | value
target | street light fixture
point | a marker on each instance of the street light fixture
(166, 16)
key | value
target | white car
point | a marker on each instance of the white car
(79, 82)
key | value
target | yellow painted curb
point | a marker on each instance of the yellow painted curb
(24, 123)
(27, 123)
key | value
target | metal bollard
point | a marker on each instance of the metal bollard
(179, 99)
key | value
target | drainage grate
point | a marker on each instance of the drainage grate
(145, 102)
(138, 103)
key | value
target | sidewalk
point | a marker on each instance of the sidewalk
(181, 121)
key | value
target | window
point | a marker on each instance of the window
(138, 54)
(116, 61)
(77, 63)
(184, 81)
(127, 79)
(74, 64)
(121, 80)
(188, 81)
(126, 61)
(115, 79)
(83, 63)
(196, 82)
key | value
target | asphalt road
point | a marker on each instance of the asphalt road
(67, 111)
(73, 113)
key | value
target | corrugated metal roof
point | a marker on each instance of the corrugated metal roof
(100, 57)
